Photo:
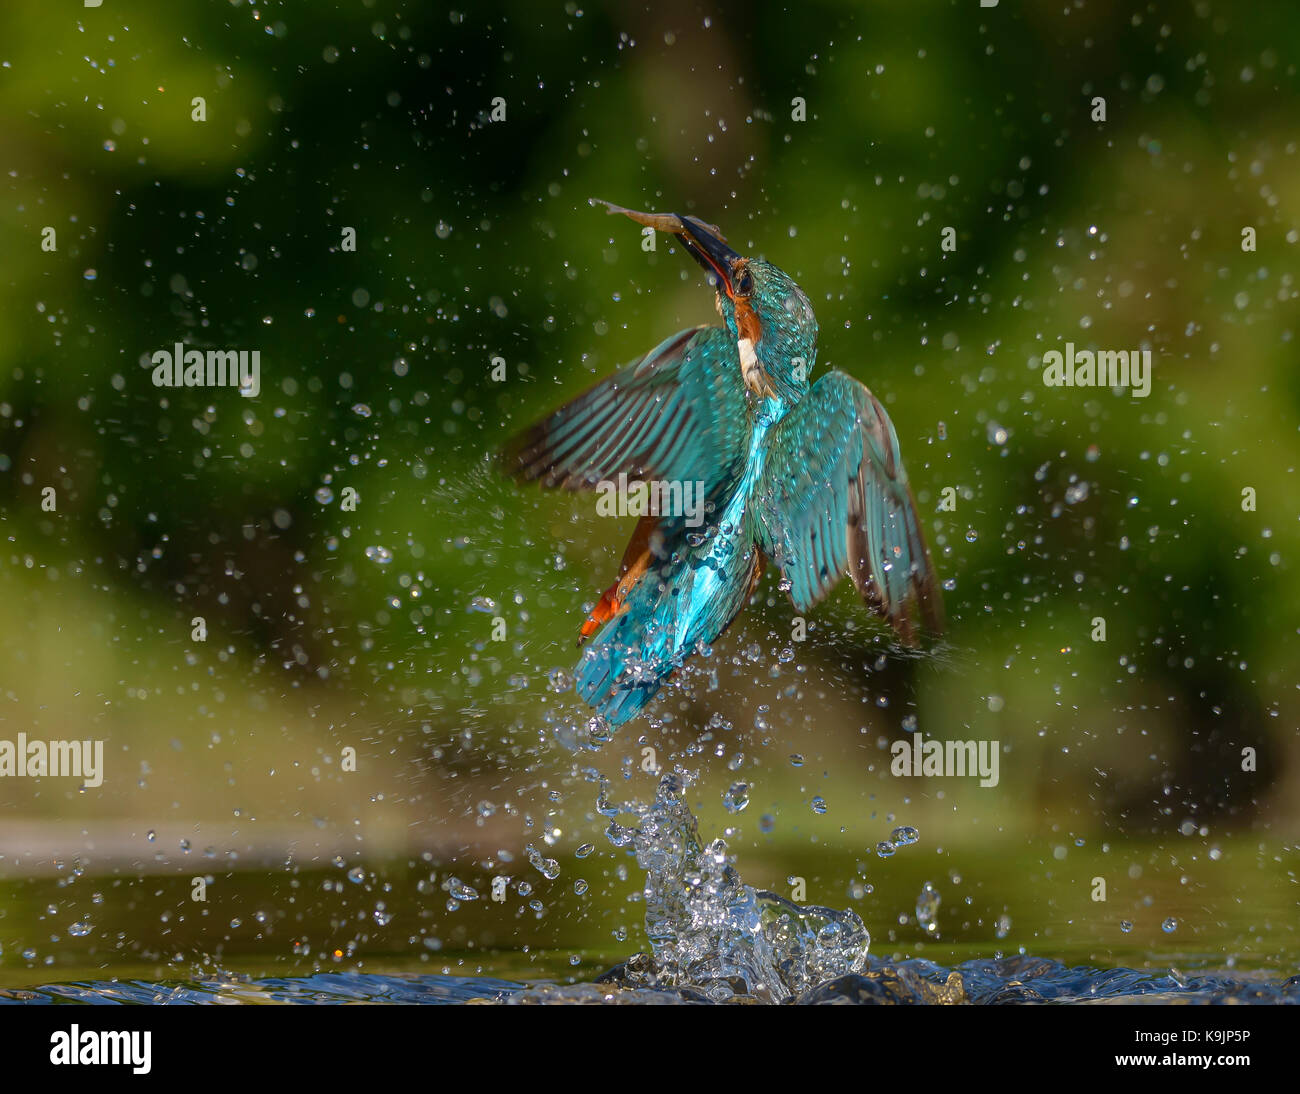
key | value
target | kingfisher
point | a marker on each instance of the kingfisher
(806, 476)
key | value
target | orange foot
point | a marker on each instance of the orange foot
(636, 560)
(605, 610)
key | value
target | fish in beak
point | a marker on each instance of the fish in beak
(730, 273)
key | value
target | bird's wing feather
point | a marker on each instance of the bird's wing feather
(834, 498)
(678, 413)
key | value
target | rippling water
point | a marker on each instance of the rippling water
(1006, 980)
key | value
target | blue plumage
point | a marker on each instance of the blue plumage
(809, 477)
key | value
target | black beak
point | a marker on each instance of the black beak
(709, 249)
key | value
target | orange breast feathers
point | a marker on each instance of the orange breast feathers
(747, 324)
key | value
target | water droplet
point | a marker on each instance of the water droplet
(736, 797)
(1169, 925)
(1125, 926)
(547, 867)
(79, 929)
(819, 805)
(459, 890)
(927, 908)
(904, 836)
(381, 555)
(356, 875)
(885, 849)
(324, 495)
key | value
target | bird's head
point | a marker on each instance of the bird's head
(766, 312)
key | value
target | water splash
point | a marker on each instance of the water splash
(711, 932)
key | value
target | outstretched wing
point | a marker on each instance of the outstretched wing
(677, 414)
(834, 498)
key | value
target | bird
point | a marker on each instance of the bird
(804, 475)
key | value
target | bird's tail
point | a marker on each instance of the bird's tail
(629, 660)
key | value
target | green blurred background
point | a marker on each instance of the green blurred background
(373, 629)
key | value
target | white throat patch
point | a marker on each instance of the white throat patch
(751, 371)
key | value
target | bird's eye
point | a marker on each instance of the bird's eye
(744, 283)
